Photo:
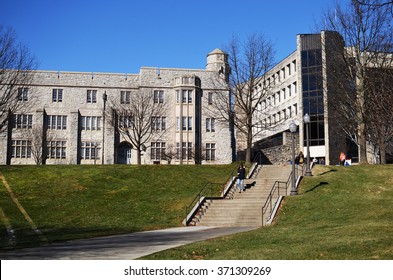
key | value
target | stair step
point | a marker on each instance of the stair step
(245, 209)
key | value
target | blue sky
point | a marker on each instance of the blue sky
(121, 36)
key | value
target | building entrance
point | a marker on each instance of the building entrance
(124, 153)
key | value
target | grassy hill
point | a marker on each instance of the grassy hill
(340, 213)
(70, 202)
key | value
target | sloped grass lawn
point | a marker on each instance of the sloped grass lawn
(70, 202)
(340, 213)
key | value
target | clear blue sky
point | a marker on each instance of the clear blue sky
(121, 36)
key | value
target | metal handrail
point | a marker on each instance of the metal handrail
(200, 198)
(269, 200)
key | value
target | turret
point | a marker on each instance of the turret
(217, 60)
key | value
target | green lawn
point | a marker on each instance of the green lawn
(73, 201)
(340, 213)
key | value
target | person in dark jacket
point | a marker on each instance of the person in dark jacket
(241, 175)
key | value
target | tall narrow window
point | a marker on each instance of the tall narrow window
(210, 124)
(125, 97)
(57, 95)
(23, 94)
(184, 123)
(158, 96)
(210, 151)
(189, 123)
(91, 96)
(210, 98)
(177, 123)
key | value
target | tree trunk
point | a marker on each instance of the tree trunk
(138, 156)
(382, 150)
(249, 146)
(362, 143)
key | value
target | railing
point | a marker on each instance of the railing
(275, 191)
(200, 198)
(206, 193)
(252, 169)
(274, 194)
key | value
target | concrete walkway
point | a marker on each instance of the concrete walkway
(122, 247)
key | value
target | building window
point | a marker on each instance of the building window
(91, 96)
(56, 122)
(157, 151)
(210, 98)
(21, 149)
(177, 150)
(90, 150)
(189, 123)
(158, 123)
(210, 151)
(125, 97)
(90, 123)
(210, 125)
(177, 96)
(184, 123)
(23, 94)
(23, 121)
(57, 95)
(186, 151)
(177, 123)
(187, 96)
(158, 96)
(56, 149)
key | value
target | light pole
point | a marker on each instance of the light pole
(292, 129)
(306, 120)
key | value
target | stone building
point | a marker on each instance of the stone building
(68, 118)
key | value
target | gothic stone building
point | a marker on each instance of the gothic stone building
(66, 120)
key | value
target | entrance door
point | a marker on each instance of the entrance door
(124, 153)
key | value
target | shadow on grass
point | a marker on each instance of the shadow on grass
(331, 170)
(317, 186)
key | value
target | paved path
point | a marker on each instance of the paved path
(122, 247)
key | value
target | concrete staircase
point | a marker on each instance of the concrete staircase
(245, 209)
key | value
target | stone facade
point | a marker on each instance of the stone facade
(69, 113)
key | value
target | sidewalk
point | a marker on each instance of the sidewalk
(122, 247)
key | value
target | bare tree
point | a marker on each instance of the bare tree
(15, 75)
(39, 140)
(140, 117)
(380, 101)
(366, 31)
(248, 61)
(170, 153)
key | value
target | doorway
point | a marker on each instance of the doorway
(124, 153)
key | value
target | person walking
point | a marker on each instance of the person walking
(241, 175)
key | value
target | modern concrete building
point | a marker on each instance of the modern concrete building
(68, 117)
(298, 85)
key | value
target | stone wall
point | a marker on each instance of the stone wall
(74, 106)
